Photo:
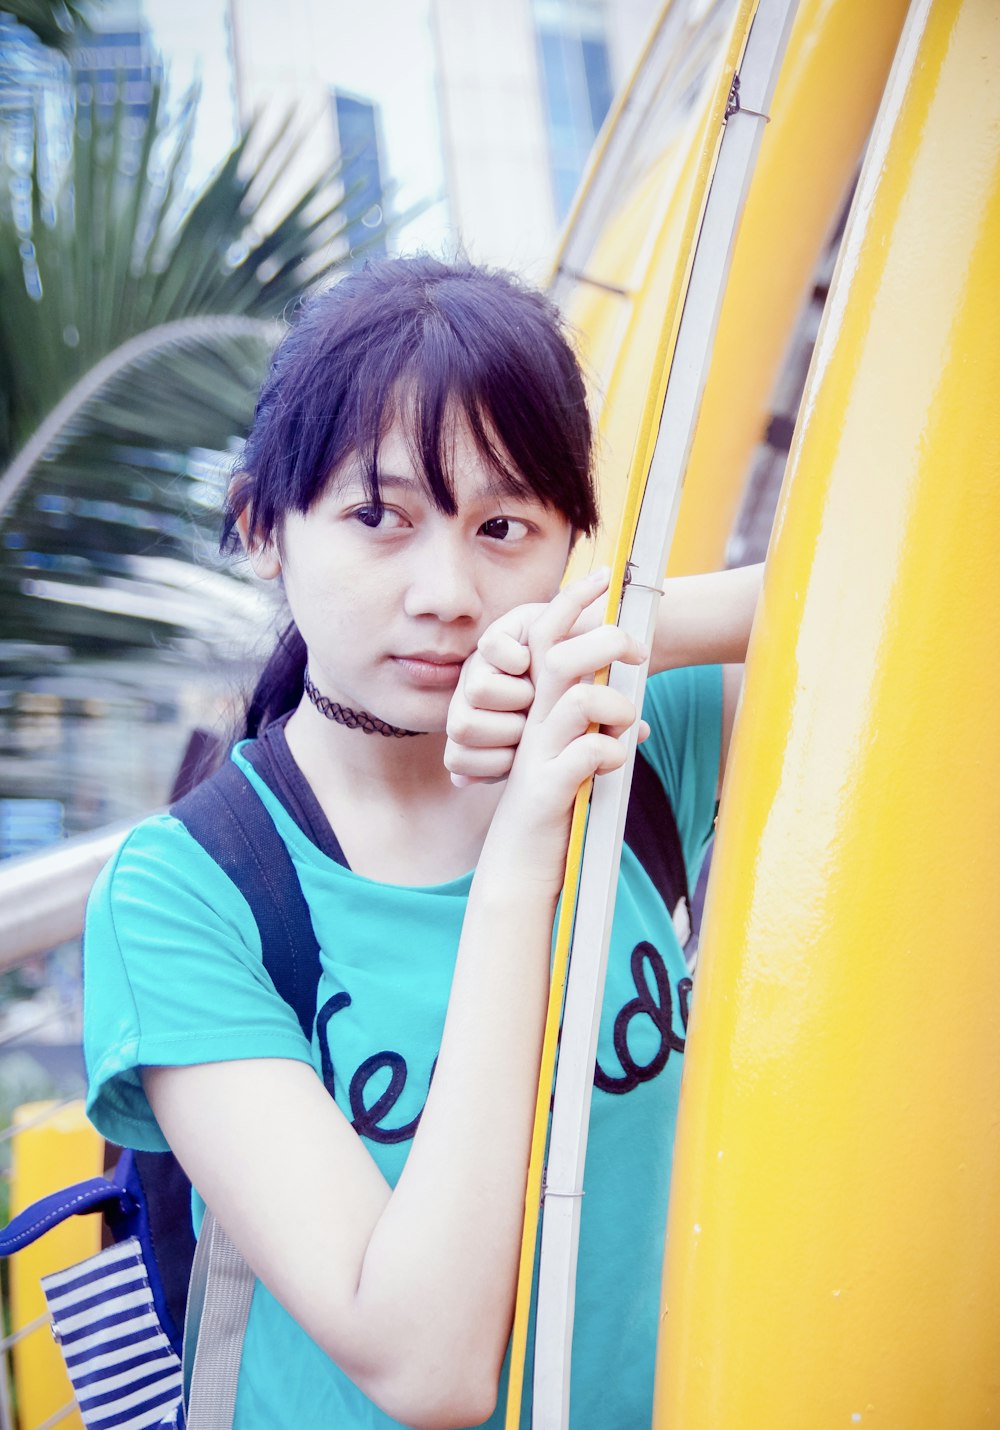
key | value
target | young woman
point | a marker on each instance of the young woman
(418, 471)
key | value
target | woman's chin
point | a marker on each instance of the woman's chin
(424, 713)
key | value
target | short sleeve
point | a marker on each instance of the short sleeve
(684, 711)
(173, 976)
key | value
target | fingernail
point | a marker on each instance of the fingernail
(602, 574)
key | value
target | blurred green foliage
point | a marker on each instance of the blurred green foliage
(56, 22)
(136, 321)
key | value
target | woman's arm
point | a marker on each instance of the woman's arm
(410, 1290)
(706, 620)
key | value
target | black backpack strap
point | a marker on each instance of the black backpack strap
(652, 835)
(229, 820)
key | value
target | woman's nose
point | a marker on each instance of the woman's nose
(443, 581)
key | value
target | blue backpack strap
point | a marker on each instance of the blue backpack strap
(229, 820)
(651, 833)
(96, 1194)
(163, 1225)
(146, 1196)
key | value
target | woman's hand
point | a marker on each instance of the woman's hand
(488, 710)
(490, 707)
(562, 730)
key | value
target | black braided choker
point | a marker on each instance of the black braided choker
(353, 719)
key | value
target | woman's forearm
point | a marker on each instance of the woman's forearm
(452, 1225)
(706, 619)
(408, 1290)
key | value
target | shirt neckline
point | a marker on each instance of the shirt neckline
(271, 758)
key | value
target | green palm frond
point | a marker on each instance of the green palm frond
(55, 22)
(135, 326)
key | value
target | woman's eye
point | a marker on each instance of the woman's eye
(375, 518)
(504, 528)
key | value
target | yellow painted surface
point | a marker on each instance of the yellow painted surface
(824, 106)
(63, 1149)
(831, 81)
(834, 1241)
(625, 343)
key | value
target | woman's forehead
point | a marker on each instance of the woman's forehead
(404, 440)
(407, 450)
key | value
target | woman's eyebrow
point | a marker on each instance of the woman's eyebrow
(486, 493)
(391, 479)
(356, 480)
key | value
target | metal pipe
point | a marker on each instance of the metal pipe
(59, 1416)
(22, 1331)
(43, 896)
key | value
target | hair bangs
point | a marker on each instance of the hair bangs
(435, 347)
(448, 385)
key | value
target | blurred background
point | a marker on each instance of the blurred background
(173, 175)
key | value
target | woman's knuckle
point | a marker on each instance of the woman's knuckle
(513, 726)
(460, 725)
(495, 689)
(559, 660)
(572, 704)
(521, 692)
(475, 685)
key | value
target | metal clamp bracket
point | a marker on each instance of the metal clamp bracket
(733, 105)
(639, 585)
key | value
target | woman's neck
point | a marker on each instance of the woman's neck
(390, 802)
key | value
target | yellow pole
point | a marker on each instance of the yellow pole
(833, 1248)
(49, 1152)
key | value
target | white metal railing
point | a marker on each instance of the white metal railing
(43, 895)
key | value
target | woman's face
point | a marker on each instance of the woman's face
(390, 609)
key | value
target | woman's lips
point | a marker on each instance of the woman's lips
(436, 673)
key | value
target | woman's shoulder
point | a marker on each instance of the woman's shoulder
(685, 693)
(157, 835)
(161, 871)
(684, 710)
(160, 841)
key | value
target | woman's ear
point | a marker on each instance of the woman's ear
(264, 557)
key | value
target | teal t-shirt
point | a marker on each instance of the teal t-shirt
(174, 976)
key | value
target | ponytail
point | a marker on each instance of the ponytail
(280, 684)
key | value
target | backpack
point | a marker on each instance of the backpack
(121, 1313)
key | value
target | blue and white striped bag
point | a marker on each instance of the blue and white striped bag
(118, 1316)
(125, 1372)
(122, 1347)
